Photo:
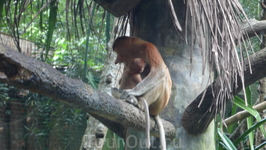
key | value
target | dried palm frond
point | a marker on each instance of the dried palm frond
(224, 20)
(173, 16)
(122, 26)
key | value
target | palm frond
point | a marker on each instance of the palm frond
(224, 26)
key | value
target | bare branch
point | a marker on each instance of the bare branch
(243, 114)
(254, 27)
(28, 73)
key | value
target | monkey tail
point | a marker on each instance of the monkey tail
(161, 131)
(147, 117)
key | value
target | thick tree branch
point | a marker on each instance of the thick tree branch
(25, 72)
(254, 27)
(200, 113)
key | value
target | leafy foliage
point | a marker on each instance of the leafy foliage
(248, 134)
(59, 30)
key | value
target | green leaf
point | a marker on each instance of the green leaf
(40, 4)
(91, 80)
(250, 120)
(87, 43)
(261, 145)
(226, 140)
(51, 25)
(255, 126)
(240, 103)
(251, 134)
(1, 8)
(231, 128)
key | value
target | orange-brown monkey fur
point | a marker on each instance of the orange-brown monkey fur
(156, 85)
(130, 78)
(132, 74)
(155, 88)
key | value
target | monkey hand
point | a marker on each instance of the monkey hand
(117, 93)
(131, 99)
(126, 93)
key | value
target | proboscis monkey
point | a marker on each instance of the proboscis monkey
(130, 78)
(156, 85)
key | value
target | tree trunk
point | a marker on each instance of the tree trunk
(152, 22)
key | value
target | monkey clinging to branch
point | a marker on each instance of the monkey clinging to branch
(130, 78)
(156, 84)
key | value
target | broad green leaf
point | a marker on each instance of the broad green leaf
(51, 25)
(250, 120)
(233, 112)
(226, 140)
(87, 43)
(251, 134)
(240, 103)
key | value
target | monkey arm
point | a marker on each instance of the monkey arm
(147, 83)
